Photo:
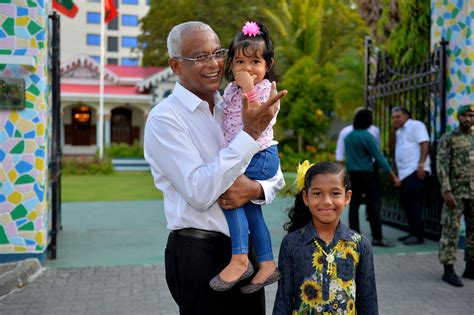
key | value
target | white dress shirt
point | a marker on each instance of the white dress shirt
(190, 163)
(340, 151)
(407, 148)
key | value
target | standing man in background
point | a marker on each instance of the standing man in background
(411, 142)
(455, 167)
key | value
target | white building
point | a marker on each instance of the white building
(82, 33)
(129, 94)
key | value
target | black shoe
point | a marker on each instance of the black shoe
(383, 243)
(218, 284)
(401, 239)
(413, 240)
(469, 272)
(451, 278)
(251, 287)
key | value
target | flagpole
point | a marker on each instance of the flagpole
(101, 84)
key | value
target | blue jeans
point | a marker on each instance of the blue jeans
(263, 166)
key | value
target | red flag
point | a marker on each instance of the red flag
(110, 11)
(66, 7)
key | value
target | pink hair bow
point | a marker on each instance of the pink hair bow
(251, 29)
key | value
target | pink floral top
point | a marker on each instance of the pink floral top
(233, 113)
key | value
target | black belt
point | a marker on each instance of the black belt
(197, 233)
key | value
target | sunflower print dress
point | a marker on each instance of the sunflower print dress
(311, 285)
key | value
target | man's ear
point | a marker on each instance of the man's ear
(175, 65)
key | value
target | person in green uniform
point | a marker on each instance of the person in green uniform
(455, 166)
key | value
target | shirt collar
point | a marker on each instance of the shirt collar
(190, 100)
(342, 232)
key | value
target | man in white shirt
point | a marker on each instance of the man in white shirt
(411, 142)
(185, 147)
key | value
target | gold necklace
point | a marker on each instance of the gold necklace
(329, 257)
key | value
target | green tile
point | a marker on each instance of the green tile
(9, 26)
(6, 51)
(3, 235)
(450, 111)
(5, 1)
(32, 3)
(454, 13)
(440, 21)
(24, 179)
(18, 134)
(27, 227)
(2, 67)
(29, 104)
(33, 27)
(41, 45)
(19, 148)
(19, 212)
(33, 90)
(468, 61)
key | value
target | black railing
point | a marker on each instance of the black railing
(422, 90)
(55, 157)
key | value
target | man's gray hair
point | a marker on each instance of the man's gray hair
(174, 41)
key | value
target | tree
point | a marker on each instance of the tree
(226, 17)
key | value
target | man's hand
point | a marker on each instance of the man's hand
(245, 81)
(420, 172)
(242, 191)
(256, 118)
(449, 199)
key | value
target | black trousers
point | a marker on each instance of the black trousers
(190, 264)
(411, 196)
(365, 183)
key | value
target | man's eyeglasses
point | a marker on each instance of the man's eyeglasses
(202, 60)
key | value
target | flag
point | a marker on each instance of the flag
(110, 11)
(66, 7)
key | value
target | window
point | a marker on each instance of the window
(112, 43)
(130, 2)
(113, 25)
(128, 41)
(129, 20)
(96, 58)
(147, 2)
(93, 39)
(129, 62)
(93, 18)
(112, 61)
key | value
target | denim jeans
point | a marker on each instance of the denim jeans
(263, 166)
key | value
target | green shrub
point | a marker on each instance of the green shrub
(78, 167)
(289, 159)
(124, 150)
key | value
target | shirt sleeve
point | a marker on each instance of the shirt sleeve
(421, 133)
(442, 163)
(340, 148)
(284, 300)
(375, 152)
(271, 187)
(169, 148)
(366, 291)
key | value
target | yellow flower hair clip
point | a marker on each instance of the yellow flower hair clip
(300, 174)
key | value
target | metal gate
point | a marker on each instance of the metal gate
(55, 160)
(422, 90)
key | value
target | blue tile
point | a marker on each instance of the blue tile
(39, 153)
(9, 128)
(30, 135)
(2, 198)
(20, 52)
(35, 78)
(2, 34)
(21, 11)
(20, 222)
(38, 191)
(2, 155)
(23, 167)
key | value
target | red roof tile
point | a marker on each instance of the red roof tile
(94, 89)
(133, 71)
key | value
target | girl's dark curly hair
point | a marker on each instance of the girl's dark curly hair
(249, 45)
(300, 214)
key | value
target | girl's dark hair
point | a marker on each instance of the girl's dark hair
(248, 45)
(362, 119)
(300, 214)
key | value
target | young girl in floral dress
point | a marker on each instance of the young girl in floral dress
(250, 69)
(326, 267)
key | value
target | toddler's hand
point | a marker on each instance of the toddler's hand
(244, 80)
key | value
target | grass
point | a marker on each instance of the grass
(121, 186)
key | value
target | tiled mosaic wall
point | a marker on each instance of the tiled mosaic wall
(23, 133)
(453, 20)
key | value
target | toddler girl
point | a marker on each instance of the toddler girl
(326, 267)
(249, 68)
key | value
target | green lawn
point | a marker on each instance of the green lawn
(120, 186)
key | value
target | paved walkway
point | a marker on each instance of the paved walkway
(110, 261)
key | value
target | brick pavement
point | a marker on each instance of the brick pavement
(407, 284)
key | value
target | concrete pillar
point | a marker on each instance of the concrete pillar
(108, 129)
(454, 21)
